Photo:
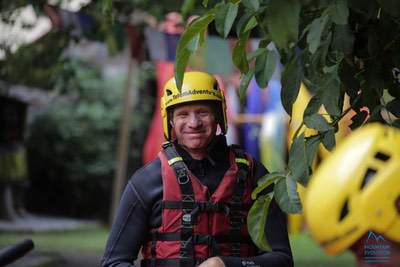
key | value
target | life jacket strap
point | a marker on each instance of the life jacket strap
(188, 201)
(236, 217)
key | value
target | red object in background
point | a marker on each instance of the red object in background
(135, 42)
(155, 136)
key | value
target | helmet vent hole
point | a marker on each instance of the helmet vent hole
(369, 174)
(169, 92)
(398, 204)
(215, 86)
(382, 156)
(345, 210)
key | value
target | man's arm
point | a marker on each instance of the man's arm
(131, 224)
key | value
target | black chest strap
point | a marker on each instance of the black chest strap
(188, 204)
(236, 216)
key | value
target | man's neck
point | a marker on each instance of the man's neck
(196, 154)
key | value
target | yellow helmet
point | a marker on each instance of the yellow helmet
(196, 86)
(356, 189)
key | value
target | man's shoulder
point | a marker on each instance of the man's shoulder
(147, 182)
(147, 174)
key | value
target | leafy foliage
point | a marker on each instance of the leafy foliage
(334, 47)
(36, 64)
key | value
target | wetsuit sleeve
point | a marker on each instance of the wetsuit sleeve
(132, 221)
(276, 233)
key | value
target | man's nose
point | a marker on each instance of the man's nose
(194, 120)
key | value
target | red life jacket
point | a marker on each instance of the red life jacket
(196, 226)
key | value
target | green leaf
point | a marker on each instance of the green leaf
(329, 91)
(266, 181)
(317, 122)
(256, 220)
(252, 5)
(314, 35)
(294, 197)
(244, 84)
(265, 67)
(312, 144)
(291, 79)
(194, 44)
(339, 12)
(328, 139)
(186, 44)
(282, 20)
(242, 23)
(225, 17)
(394, 107)
(251, 24)
(239, 52)
(181, 61)
(313, 106)
(297, 159)
(286, 197)
(343, 39)
(256, 53)
(187, 6)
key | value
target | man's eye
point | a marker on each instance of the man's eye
(204, 113)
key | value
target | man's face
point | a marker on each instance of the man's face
(194, 125)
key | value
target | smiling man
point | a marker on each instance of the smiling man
(188, 207)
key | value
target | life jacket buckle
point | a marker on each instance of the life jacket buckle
(183, 178)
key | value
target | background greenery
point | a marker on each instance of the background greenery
(72, 143)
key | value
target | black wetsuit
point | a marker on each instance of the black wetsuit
(140, 210)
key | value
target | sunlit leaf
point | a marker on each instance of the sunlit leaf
(256, 220)
(186, 44)
(225, 17)
(265, 182)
